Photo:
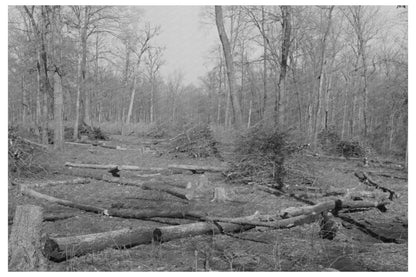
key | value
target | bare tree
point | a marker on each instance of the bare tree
(229, 65)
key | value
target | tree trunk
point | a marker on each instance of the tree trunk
(264, 63)
(321, 77)
(87, 97)
(24, 244)
(58, 107)
(133, 93)
(78, 99)
(286, 31)
(229, 65)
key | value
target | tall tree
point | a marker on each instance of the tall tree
(229, 66)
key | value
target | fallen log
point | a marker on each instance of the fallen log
(60, 249)
(367, 181)
(29, 192)
(197, 168)
(49, 218)
(54, 183)
(145, 185)
(111, 166)
(387, 175)
(24, 245)
(35, 143)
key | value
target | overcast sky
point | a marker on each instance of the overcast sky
(187, 40)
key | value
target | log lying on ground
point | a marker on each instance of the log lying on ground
(387, 175)
(29, 192)
(59, 249)
(111, 166)
(35, 143)
(197, 168)
(123, 213)
(24, 245)
(54, 182)
(367, 181)
(49, 217)
(145, 185)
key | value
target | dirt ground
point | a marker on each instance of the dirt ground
(296, 249)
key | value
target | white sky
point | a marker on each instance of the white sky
(187, 40)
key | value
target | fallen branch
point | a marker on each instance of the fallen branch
(111, 166)
(387, 175)
(35, 143)
(145, 185)
(49, 218)
(29, 192)
(367, 181)
(59, 249)
(54, 183)
(197, 168)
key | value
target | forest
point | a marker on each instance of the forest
(298, 104)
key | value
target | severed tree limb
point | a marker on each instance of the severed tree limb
(197, 168)
(54, 182)
(35, 143)
(29, 192)
(50, 217)
(111, 166)
(145, 185)
(58, 249)
(123, 213)
(367, 181)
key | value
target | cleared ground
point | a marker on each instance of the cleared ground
(296, 249)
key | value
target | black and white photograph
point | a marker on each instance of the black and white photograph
(263, 137)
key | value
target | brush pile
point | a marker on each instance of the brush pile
(93, 133)
(259, 156)
(196, 142)
(22, 155)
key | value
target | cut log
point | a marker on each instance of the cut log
(38, 195)
(111, 166)
(35, 143)
(55, 183)
(197, 168)
(59, 249)
(220, 195)
(50, 217)
(24, 245)
(367, 181)
(145, 185)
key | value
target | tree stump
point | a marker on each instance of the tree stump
(24, 244)
(220, 195)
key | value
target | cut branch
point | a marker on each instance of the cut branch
(145, 185)
(367, 181)
(197, 168)
(111, 166)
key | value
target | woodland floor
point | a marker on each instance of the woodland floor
(296, 249)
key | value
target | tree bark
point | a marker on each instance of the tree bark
(24, 244)
(198, 168)
(58, 109)
(229, 66)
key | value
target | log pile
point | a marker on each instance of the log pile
(59, 249)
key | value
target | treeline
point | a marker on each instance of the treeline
(308, 68)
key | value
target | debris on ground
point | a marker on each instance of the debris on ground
(22, 153)
(196, 142)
